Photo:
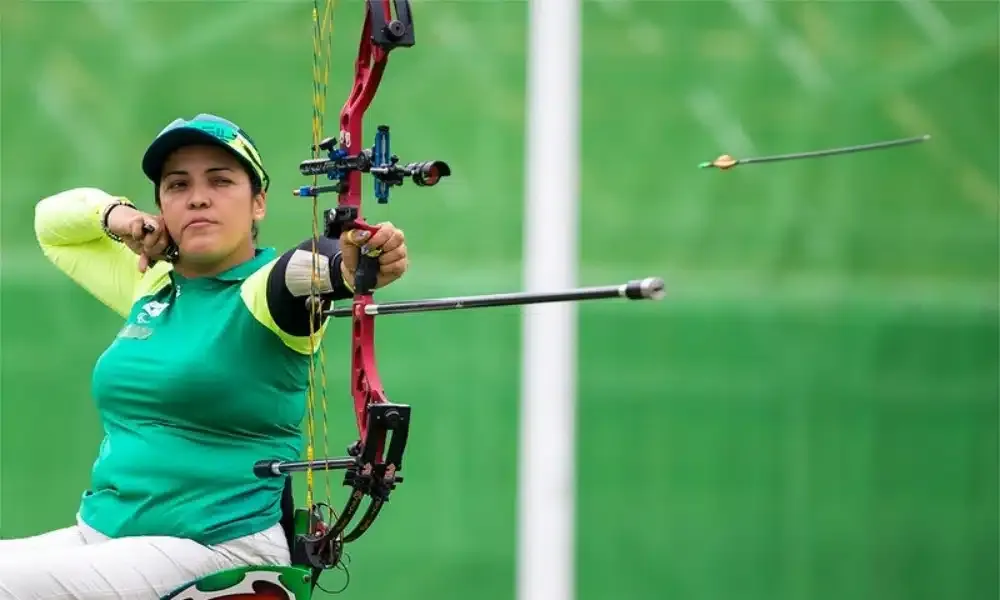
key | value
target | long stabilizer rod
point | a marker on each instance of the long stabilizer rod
(651, 288)
(277, 468)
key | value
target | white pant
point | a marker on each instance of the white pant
(79, 563)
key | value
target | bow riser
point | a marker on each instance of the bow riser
(366, 385)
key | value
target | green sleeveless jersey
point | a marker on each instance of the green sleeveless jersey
(199, 383)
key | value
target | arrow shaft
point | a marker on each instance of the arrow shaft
(835, 151)
(645, 289)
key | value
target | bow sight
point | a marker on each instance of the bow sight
(376, 161)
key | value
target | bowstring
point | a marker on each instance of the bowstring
(322, 51)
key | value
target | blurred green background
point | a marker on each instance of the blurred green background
(812, 414)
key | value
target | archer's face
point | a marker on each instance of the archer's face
(208, 203)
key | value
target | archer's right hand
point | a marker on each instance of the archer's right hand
(143, 233)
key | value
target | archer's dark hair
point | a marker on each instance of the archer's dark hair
(255, 188)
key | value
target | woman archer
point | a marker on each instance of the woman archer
(207, 375)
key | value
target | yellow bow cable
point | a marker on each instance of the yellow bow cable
(322, 50)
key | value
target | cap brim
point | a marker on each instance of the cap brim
(163, 146)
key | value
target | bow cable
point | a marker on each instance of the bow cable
(322, 50)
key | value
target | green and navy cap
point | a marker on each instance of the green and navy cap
(204, 129)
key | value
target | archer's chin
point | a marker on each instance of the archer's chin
(202, 248)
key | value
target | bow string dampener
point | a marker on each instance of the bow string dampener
(374, 460)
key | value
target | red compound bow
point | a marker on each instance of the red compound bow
(372, 467)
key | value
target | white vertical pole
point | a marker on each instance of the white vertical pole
(547, 453)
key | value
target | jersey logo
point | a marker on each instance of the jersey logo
(154, 308)
(141, 330)
(150, 310)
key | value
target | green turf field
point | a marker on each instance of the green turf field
(810, 415)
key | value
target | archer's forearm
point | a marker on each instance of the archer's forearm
(69, 232)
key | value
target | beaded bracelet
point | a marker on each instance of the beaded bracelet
(106, 212)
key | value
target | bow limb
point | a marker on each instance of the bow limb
(368, 70)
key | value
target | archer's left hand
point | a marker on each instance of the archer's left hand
(392, 261)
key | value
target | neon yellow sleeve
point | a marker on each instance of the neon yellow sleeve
(68, 229)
